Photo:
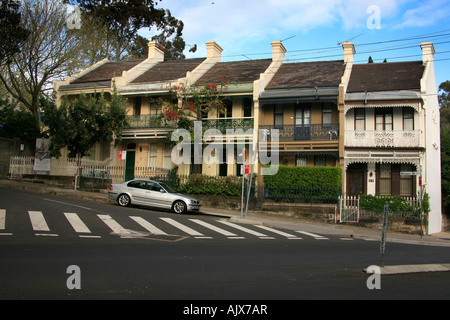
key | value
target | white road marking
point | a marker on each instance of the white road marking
(2, 219)
(284, 234)
(76, 223)
(244, 229)
(315, 236)
(229, 234)
(37, 221)
(148, 226)
(186, 229)
(113, 225)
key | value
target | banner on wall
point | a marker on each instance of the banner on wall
(42, 157)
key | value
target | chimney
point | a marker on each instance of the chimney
(278, 51)
(349, 52)
(155, 51)
(213, 50)
(427, 51)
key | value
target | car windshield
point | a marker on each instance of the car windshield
(168, 189)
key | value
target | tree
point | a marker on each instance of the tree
(444, 102)
(12, 32)
(78, 124)
(50, 52)
(123, 20)
(17, 123)
(444, 94)
(192, 104)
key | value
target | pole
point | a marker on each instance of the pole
(242, 196)
(383, 233)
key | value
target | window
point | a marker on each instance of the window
(278, 116)
(383, 119)
(228, 109)
(320, 161)
(167, 157)
(152, 155)
(406, 182)
(137, 106)
(247, 107)
(360, 119)
(408, 119)
(385, 179)
(301, 161)
(326, 115)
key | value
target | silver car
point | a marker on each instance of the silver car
(153, 194)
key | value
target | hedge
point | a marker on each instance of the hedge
(207, 185)
(322, 184)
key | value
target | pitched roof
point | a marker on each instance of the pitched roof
(390, 76)
(107, 71)
(235, 71)
(168, 70)
(308, 74)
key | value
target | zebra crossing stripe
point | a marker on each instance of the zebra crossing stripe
(76, 223)
(315, 236)
(186, 229)
(2, 219)
(229, 234)
(148, 226)
(113, 225)
(241, 228)
(284, 234)
(37, 221)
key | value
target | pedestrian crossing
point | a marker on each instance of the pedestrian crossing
(142, 228)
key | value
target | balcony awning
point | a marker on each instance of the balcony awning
(297, 95)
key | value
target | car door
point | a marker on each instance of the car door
(138, 191)
(159, 197)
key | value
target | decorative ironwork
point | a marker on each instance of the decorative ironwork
(228, 123)
(304, 133)
(374, 138)
(148, 121)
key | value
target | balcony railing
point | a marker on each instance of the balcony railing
(228, 123)
(303, 133)
(373, 138)
(148, 121)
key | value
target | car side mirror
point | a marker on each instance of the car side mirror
(162, 190)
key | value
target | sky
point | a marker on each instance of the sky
(315, 29)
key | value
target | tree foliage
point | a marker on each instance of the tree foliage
(12, 32)
(444, 102)
(17, 123)
(50, 52)
(120, 22)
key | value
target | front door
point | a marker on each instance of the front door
(129, 165)
(302, 128)
(356, 179)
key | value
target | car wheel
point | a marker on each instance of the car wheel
(123, 200)
(179, 207)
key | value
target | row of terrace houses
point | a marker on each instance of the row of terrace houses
(374, 120)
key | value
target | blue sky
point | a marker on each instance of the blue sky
(245, 28)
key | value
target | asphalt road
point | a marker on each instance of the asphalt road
(176, 265)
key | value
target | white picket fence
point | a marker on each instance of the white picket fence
(349, 209)
(19, 166)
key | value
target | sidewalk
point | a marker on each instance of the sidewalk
(254, 217)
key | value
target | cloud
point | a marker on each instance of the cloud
(427, 14)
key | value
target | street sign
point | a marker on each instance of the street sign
(122, 155)
(410, 173)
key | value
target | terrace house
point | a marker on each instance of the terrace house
(392, 129)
